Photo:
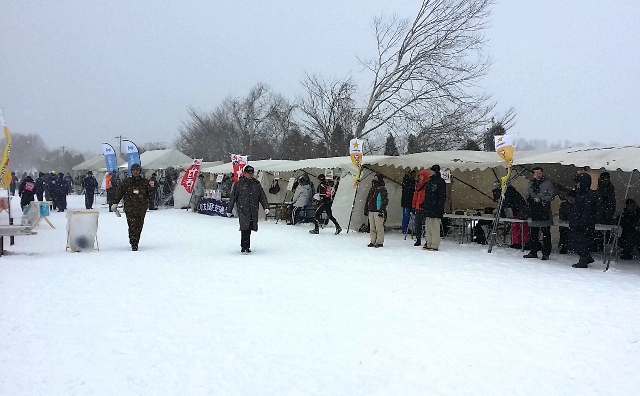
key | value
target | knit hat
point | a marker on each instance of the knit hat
(136, 166)
(321, 176)
(248, 169)
(435, 168)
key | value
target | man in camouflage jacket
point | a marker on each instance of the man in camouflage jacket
(136, 194)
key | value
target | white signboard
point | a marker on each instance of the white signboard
(446, 175)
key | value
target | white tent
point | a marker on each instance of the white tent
(94, 164)
(162, 159)
(626, 158)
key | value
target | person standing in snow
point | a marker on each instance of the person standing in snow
(247, 194)
(26, 191)
(416, 205)
(539, 197)
(40, 186)
(583, 220)
(135, 193)
(153, 190)
(61, 191)
(89, 184)
(408, 188)
(375, 208)
(197, 193)
(13, 184)
(435, 196)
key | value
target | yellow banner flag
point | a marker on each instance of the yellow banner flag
(504, 147)
(5, 174)
(355, 152)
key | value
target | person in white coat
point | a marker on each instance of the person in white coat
(301, 198)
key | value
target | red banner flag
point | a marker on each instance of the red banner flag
(189, 178)
(238, 162)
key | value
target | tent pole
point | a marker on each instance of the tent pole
(353, 204)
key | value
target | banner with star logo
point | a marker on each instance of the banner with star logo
(355, 152)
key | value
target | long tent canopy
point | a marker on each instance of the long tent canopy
(94, 164)
(162, 159)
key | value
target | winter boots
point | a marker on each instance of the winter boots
(531, 254)
(583, 262)
(338, 229)
(314, 231)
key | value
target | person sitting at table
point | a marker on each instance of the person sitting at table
(300, 199)
(630, 221)
(514, 206)
(566, 209)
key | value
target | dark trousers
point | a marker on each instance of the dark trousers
(88, 200)
(406, 215)
(628, 241)
(419, 225)
(245, 237)
(39, 196)
(324, 207)
(135, 221)
(564, 238)
(580, 242)
(546, 240)
(152, 201)
(111, 192)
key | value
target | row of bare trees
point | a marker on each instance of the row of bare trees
(422, 93)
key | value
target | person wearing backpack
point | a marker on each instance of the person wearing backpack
(26, 191)
(375, 208)
(323, 195)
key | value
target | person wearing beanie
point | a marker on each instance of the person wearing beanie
(539, 197)
(435, 196)
(375, 207)
(61, 191)
(136, 194)
(325, 198)
(583, 222)
(26, 191)
(90, 185)
(40, 187)
(247, 194)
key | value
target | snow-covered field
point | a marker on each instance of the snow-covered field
(305, 314)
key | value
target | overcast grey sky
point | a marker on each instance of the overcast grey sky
(81, 72)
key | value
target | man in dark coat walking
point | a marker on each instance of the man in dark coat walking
(408, 188)
(26, 191)
(136, 195)
(247, 194)
(435, 196)
(539, 197)
(40, 186)
(61, 191)
(89, 184)
(582, 222)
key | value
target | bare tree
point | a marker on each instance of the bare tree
(149, 146)
(329, 111)
(428, 67)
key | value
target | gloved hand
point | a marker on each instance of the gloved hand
(316, 196)
(266, 212)
(114, 209)
(381, 214)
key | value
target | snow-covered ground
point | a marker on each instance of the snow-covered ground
(305, 314)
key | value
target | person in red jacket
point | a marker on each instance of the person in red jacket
(416, 205)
